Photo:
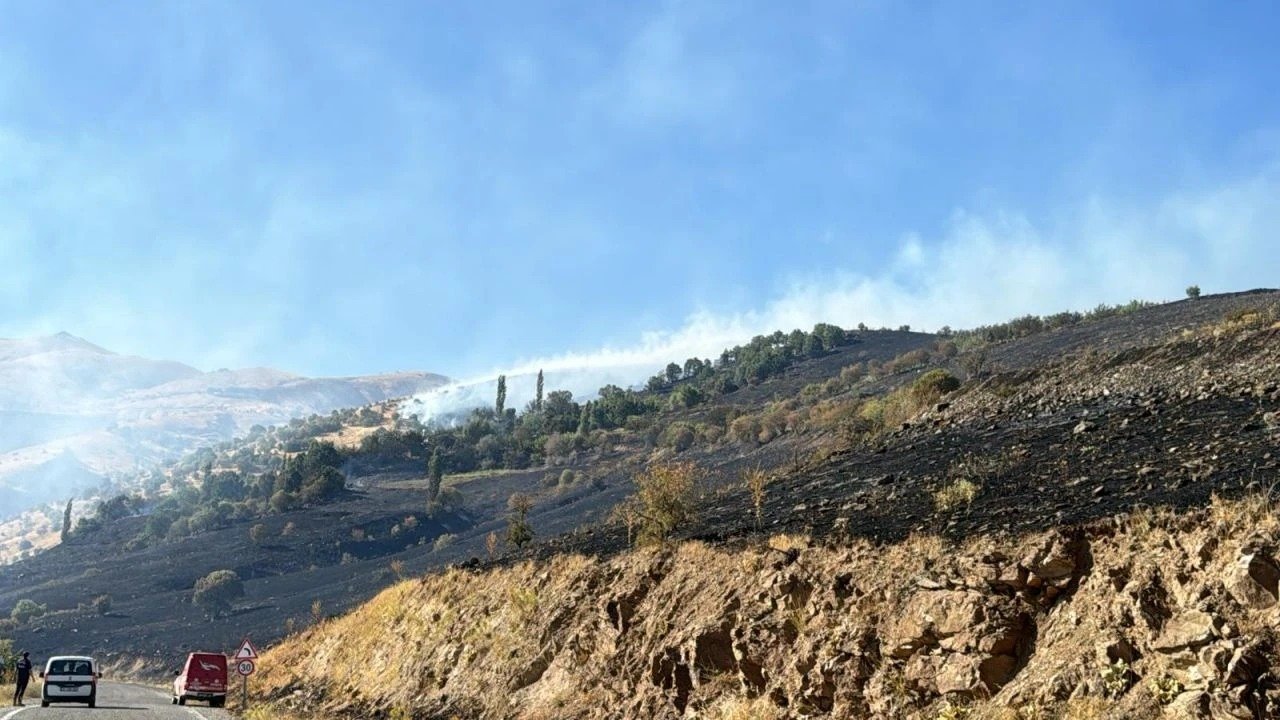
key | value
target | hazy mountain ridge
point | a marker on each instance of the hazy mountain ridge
(63, 398)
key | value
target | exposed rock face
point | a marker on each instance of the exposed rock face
(1166, 617)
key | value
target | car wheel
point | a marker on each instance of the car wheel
(44, 703)
(93, 701)
(173, 700)
(217, 702)
(182, 699)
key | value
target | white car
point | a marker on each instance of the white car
(70, 678)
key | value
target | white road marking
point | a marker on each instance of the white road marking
(184, 707)
(11, 713)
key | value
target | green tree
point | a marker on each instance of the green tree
(500, 404)
(434, 478)
(519, 532)
(216, 591)
(537, 398)
(692, 367)
(27, 610)
(560, 413)
(66, 521)
(1193, 291)
(673, 373)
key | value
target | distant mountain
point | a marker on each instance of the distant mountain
(72, 412)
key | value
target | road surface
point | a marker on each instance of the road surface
(116, 701)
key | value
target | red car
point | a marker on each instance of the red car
(204, 677)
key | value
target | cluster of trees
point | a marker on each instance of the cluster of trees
(277, 469)
(215, 497)
(751, 364)
(1034, 324)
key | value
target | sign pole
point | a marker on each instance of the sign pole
(245, 655)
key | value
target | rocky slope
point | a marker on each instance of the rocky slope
(1152, 615)
(71, 411)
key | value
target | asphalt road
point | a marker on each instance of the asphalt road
(116, 701)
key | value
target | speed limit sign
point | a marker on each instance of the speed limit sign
(245, 667)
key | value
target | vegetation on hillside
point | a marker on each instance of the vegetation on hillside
(275, 470)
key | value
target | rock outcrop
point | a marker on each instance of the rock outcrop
(1154, 615)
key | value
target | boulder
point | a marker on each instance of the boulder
(1187, 631)
(1254, 581)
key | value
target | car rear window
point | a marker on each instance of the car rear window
(70, 667)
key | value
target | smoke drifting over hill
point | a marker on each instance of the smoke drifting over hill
(984, 269)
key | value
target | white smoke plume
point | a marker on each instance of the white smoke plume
(984, 269)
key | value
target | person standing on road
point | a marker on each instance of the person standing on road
(23, 668)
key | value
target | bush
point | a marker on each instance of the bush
(933, 385)
(283, 501)
(444, 541)
(258, 534)
(27, 610)
(567, 478)
(101, 605)
(745, 429)
(558, 445)
(1193, 291)
(678, 436)
(216, 591)
(179, 528)
(663, 501)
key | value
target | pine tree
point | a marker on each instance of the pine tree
(433, 478)
(500, 404)
(66, 521)
(537, 401)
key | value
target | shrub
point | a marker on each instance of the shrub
(558, 445)
(451, 499)
(27, 610)
(215, 592)
(491, 544)
(179, 528)
(258, 533)
(755, 480)
(1193, 291)
(663, 501)
(678, 436)
(956, 493)
(745, 429)
(567, 478)
(288, 529)
(101, 605)
(283, 501)
(443, 542)
(932, 385)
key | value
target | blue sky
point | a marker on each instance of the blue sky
(343, 188)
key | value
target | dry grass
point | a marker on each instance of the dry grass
(756, 479)
(785, 543)
(1089, 708)
(743, 709)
